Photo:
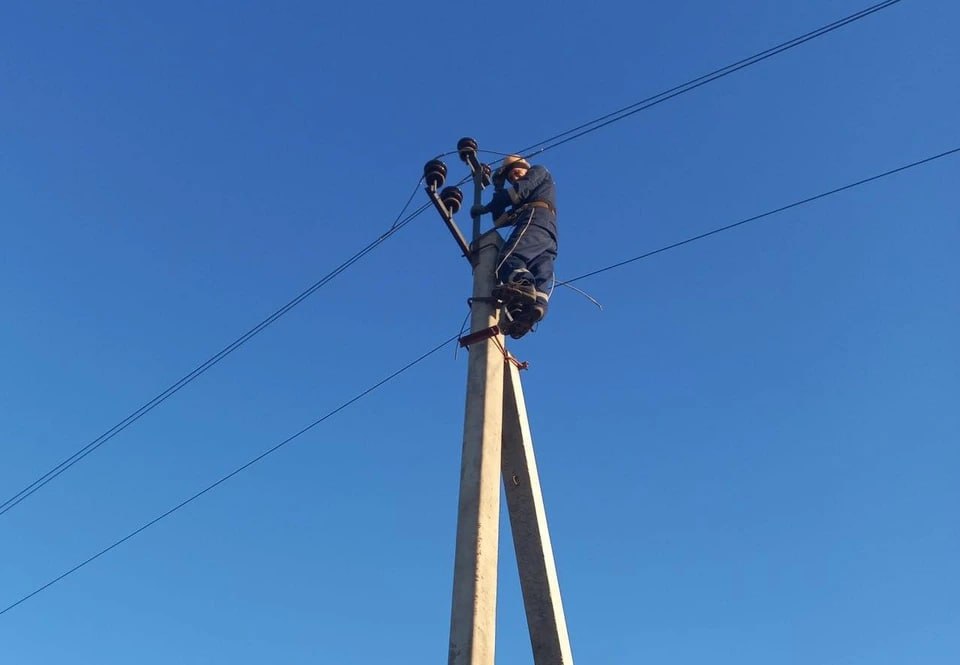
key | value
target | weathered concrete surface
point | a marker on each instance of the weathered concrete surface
(473, 616)
(531, 539)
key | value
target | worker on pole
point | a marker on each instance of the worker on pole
(525, 265)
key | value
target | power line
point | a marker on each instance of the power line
(436, 348)
(228, 476)
(795, 204)
(144, 409)
(553, 142)
(643, 104)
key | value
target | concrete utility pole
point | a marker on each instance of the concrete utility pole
(496, 441)
(473, 618)
(531, 539)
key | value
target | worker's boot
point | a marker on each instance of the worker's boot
(536, 312)
(521, 316)
(520, 291)
(539, 308)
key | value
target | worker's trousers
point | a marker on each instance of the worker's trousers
(528, 258)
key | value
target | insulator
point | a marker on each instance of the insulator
(465, 146)
(434, 173)
(487, 175)
(452, 198)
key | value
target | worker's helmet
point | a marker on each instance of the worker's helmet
(511, 162)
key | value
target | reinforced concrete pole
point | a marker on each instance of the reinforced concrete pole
(531, 538)
(473, 617)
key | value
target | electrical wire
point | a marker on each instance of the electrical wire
(789, 206)
(649, 102)
(416, 188)
(642, 105)
(227, 477)
(547, 144)
(620, 114)
(436, 348)
(42, 480)
(495, 152)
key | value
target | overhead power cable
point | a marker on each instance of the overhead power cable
(436, 348)
(227, 477)
(181, 383)
(547, 144)
(643, 104)
(755, 218)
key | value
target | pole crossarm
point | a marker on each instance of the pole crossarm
(448, 220)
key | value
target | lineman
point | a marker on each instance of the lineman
(525, 265)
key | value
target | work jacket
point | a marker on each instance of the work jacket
(535, 187)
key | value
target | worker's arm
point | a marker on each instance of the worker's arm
(499, 203)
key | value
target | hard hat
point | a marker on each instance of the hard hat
(511, 162)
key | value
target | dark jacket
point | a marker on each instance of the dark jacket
(536, 185)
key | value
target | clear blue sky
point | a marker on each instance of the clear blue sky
(749, 456)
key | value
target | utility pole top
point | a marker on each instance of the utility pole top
(449, 200)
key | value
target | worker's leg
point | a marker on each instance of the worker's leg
(532, 258)
(512, 273)
(541, 267)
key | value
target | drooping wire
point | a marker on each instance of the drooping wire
(227, 477)
(148, 406)
(416, 188)
(580, 291)
(769, 213)
(642, 105)
(463, 327)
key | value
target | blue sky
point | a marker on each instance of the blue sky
(749, 456)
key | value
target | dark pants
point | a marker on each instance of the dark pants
(528, 256)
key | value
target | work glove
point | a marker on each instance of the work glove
(476, 210)
(499, 178)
